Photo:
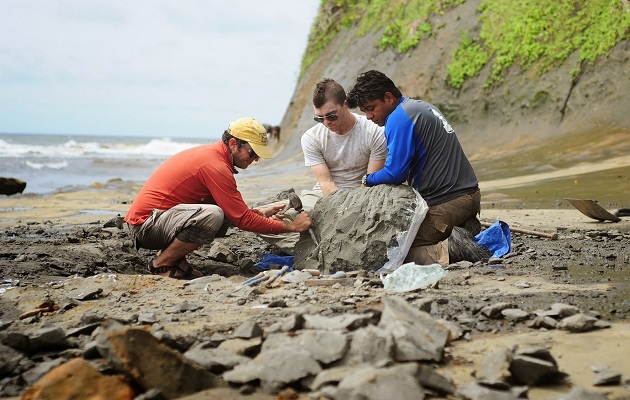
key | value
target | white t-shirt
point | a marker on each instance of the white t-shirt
(347, 156)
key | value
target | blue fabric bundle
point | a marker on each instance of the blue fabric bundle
(496, 238)
(272, 259)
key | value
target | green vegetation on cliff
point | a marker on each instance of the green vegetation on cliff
(538, 34)
(404, 22)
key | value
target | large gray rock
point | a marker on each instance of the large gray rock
(361, 228)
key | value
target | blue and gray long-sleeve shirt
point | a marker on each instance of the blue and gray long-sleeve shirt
(424, 151)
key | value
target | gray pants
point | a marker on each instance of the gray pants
(189, 223)
(286, 241)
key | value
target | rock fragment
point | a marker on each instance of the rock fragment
(215, 360)
(578, 323)
(494, 311)
(47, 339)
(607, 377)
(324, 346)
(242, 346)
(77, 379)
(380, 383)
(475, 391)
(417, 336)
(370, 345)
(579, 393)
(248, 330)
(281, 368)
(495, 369)
(9, 360)
(515, 314)
(152, 365)
(344, 322)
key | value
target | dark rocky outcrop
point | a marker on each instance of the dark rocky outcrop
(11, 186)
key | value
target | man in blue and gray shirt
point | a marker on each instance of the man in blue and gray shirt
(424, 151)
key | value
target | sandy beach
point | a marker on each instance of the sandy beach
(64, 230)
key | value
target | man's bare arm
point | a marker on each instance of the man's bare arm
(375, 165)
(322, 174)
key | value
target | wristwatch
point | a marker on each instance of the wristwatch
(364, 180)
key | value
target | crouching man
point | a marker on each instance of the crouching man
(193, 197)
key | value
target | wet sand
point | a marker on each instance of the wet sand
(264, 180)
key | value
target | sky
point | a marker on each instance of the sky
(159, 68)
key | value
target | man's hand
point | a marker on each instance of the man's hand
(301, 223)
(269, 211)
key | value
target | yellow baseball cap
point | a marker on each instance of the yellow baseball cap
(251, 131)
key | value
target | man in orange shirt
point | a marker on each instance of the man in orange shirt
(192, 197)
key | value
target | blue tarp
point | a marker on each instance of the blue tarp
(496, 238)
(272, 259)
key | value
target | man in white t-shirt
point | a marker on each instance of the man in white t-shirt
(340, 149)
(344, 146)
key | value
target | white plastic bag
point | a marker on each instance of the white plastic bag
(412, 276)
(396, 255)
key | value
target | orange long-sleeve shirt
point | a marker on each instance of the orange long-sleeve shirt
(200, 175)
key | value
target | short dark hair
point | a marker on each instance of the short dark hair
(371, 85)
(226, 137)
(327, 89)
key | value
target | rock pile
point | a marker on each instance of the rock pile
(367, 354)
(109, 328)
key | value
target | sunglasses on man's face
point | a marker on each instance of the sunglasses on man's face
(250, 151)
(330, 117)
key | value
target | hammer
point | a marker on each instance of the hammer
(296, 203)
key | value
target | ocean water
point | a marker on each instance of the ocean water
(50, 163)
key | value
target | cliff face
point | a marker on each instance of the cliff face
(554, 119)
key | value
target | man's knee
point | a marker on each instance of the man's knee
(207, 218)
(433, 229)
(209, 223)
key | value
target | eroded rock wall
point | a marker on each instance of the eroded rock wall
(526, 110)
